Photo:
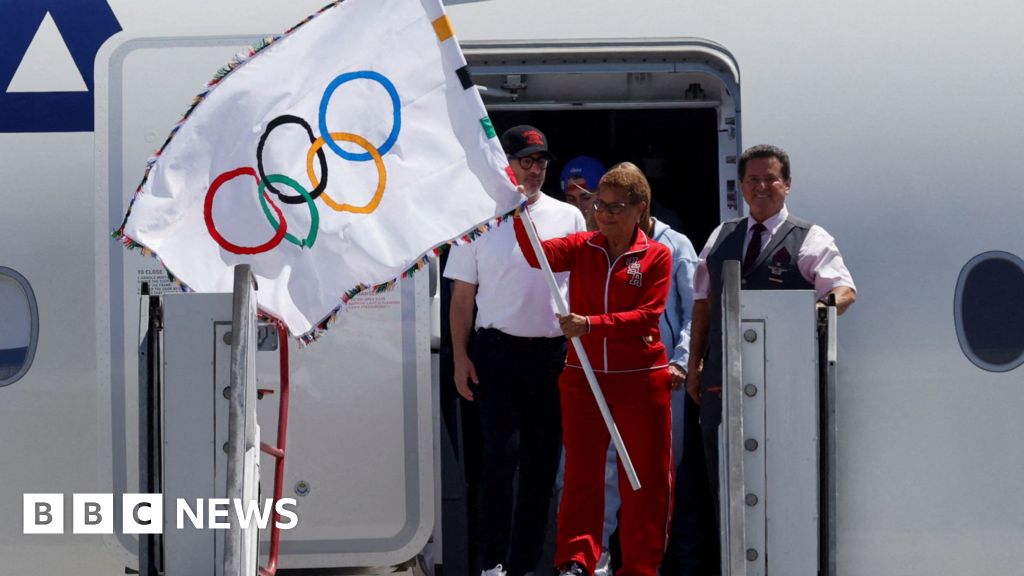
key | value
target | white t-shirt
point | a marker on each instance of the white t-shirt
(511, 296)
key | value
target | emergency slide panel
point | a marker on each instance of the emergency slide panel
(780, 356)
(196, 371)
(770, 466)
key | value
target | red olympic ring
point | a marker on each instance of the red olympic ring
(208, 216)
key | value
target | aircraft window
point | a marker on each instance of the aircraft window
(19, 326)
(989, 311)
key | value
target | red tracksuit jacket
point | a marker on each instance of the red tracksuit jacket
(623, 300)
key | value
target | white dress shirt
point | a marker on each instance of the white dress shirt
(819, 260)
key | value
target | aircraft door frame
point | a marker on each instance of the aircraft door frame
(135, 103)
(635, 61)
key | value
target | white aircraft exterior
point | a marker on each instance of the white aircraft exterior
(902, 124)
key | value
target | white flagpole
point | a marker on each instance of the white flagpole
(563, 309)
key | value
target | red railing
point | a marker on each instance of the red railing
(278, 452)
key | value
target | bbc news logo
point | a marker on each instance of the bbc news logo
(144, 513)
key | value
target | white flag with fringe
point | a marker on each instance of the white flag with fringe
(333, 159)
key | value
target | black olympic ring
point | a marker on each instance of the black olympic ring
(288, 198)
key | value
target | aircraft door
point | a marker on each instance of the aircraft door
(776, 443)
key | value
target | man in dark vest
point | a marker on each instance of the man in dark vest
(778, 252)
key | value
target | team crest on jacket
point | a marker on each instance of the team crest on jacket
(779, 265)
(633, 269)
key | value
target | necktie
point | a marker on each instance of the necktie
(754, 248)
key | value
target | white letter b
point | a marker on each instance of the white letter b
(43, 514)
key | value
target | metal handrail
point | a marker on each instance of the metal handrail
(733, 512)
(828, 434)
(243, 327)
(150, 442)
(278, 452)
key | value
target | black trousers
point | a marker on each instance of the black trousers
(710, 419)
(520, 420)
(693, 541)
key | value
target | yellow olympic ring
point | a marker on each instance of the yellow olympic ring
(382, 175)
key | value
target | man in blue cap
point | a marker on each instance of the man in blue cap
(579, 182)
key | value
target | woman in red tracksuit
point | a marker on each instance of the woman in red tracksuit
(617, 289)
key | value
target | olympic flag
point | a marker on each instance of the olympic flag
(333, 159)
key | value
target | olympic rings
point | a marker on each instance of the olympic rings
(265, 182)
(314, 214)
(289, 119)
(208, 216)
(382, 175)
(396, 106)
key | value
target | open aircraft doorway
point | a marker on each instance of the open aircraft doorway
(672, 107)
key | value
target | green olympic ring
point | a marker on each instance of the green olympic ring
(314, 224)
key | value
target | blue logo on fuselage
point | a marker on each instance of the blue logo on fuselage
(84, 25)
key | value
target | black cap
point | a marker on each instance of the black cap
(521, 141)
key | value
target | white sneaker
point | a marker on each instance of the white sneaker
(496, 571)
(604, 564)
(574, 568)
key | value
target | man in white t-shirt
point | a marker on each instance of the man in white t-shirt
(519, 352)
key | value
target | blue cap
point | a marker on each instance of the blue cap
(590, 169)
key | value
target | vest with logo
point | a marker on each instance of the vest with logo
(774, 269)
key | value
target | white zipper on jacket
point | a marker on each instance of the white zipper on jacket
(608, 281)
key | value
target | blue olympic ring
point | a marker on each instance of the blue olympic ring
(396, 105)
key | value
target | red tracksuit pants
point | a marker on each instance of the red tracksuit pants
(640, 402)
